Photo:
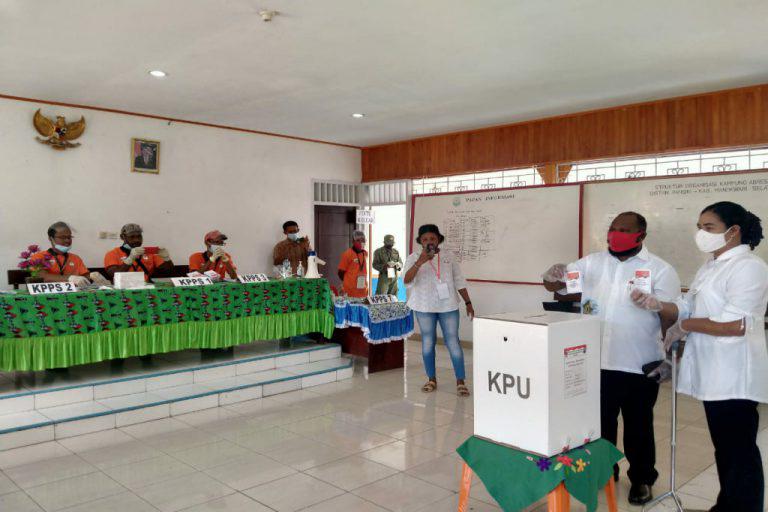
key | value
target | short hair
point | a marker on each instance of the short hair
(130, 228)
(357, 234)
(733, 214)
(57, 226)
(288, 224)
(641, 222)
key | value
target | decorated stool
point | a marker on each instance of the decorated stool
(517, 479)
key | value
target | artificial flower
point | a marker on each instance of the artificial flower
(580, 465)
(543, 464)
(565, 460)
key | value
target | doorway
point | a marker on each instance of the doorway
(333, 235)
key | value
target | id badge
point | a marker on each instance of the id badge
(360, 282)
(573, 281)
(390, 272)
(442, 291)
(642, 280)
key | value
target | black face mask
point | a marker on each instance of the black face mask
(630, 252)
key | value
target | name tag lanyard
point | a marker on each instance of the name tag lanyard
(437, 272)
(61, 265)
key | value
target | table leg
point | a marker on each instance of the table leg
(610, 495)
(558, 500)
(466, 485)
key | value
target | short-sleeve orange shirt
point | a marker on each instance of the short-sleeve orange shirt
(354, 265)
(150, 261)
(66, 264)
(197, 260)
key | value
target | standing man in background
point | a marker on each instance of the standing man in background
(353, 267)
(386, 260)
(294, 248)
(629, 340)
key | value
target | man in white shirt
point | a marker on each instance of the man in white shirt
(629, 340)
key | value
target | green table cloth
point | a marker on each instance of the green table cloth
(55, 331)
(517, 479)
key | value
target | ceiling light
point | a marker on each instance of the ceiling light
(158, 73)
(358, 116)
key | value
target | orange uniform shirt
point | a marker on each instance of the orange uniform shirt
(150, 261)
(66, 264)
(198, 259)
(354, 265)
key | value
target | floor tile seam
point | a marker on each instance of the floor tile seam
(95, 470)
(121, 488)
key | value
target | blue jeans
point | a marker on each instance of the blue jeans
(449, 323)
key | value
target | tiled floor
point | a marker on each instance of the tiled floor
(363, 445)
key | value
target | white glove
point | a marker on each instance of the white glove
(674, 333)
(555, 273)
(646, 301)
(163, 253)
(662, 373)
(79, 281)
(218, 252)
(135, 254)
(99, 279)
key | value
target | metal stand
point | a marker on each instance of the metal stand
(672, 493)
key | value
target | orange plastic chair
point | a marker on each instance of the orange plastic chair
(558, 500)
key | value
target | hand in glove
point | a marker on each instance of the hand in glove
(79, 281)
(646, 301)
(555, 273)
(163, 253)
(135, 254)
(674, 333)
(99, 279)
(662, 373)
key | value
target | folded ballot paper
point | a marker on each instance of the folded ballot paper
(129, 280)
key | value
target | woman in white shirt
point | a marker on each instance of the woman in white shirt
(433, 280)
(725, 361)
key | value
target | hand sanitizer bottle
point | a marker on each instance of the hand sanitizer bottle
(300, 270)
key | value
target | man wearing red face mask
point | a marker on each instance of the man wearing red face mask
(353, 267)
(629, 340)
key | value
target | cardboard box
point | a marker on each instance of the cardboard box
(537, 380)
(129, 280)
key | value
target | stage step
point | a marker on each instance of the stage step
(38, 415)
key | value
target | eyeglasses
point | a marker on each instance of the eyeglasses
(63, 238)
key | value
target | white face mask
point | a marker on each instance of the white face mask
(293, 236)
(710, 242)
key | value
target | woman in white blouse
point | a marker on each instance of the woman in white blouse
(434, 281)
(725, 361)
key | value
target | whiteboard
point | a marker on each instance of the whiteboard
(672, 207)
(505, 235)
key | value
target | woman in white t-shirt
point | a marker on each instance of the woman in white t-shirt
(725, 361)
(433, 280)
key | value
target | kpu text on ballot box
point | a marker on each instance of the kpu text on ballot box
(537, 380)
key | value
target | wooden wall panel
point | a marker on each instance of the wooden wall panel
(736, 117)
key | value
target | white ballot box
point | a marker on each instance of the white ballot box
(537, 380)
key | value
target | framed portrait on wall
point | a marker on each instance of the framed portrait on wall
(145, 156)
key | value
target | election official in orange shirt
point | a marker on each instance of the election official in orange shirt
(353, 267)
(65, 265)
(214, 258)
(132, 257)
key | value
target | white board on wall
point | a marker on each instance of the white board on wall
(505, 235)
(672, 208)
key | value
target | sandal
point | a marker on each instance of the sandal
(429, 387)
(462, 390)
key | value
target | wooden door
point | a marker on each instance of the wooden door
(333, 235)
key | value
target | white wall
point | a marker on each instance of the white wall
(244, 184)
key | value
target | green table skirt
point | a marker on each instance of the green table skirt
(40, 353)
(518, 479)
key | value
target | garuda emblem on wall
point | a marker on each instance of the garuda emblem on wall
(58, 134)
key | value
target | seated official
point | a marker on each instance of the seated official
(294, 248)
(213, 258)
(131, 257)
(66, 266)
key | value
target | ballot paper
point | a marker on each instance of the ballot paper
(573, 281)
(215, 277)
(390, 272)
(642, 280)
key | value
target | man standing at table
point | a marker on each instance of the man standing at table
(213, 258)
(386, 260)
(353, 267)
(131, 257)
(630, 338)
(294, 248)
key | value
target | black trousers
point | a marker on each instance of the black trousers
(733, 427)
(633, 395)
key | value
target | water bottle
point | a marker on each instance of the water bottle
(300, 270)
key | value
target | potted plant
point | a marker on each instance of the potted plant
(34, 263)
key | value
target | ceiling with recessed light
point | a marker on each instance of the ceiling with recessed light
(414, 68)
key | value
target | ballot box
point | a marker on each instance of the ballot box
(537, 380)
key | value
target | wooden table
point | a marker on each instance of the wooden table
(381, 356)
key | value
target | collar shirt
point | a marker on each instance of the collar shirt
(423, 290)
(732, 287)
(631, 337)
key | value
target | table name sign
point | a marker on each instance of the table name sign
(253, 278)
(45, 288)
(191, 281)
(382, 299)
